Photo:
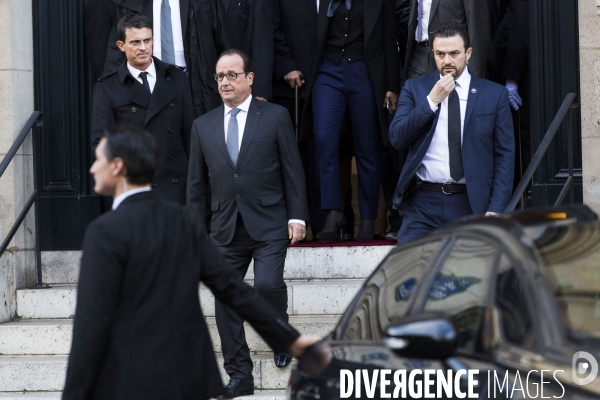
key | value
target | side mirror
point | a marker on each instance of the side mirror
(429, 336)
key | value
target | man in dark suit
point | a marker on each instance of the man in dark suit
(148, 93)
(459, 132)
(197, 37)
(421, 17)
(250, 28)
(139, 332)
(245, 152)
(295, 35)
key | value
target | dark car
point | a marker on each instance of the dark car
(516, 298)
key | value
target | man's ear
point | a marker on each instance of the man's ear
(118, 167)
(250, 77)
(121, 45)
(468, 53)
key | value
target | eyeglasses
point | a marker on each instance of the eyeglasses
(231, 76)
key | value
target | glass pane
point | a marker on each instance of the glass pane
(461, 288)
(388, 292)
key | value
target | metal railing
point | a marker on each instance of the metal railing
(36, 119)
(567, 106)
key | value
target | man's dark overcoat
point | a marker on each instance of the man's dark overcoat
(167, 113)
(139, 332)
(204, 38)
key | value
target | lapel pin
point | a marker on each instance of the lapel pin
(473, 90)
(257, 113)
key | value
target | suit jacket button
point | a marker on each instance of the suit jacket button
(174, 180)
(168, 79)
(237, 196)
(154, 184)
(172, 105)
(235, 175)
(133, 109)
(170, 156)
(170, 129)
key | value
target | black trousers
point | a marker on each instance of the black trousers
(269, 260)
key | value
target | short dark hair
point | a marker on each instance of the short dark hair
(136, 147)
(132, 21)
(451, 29)
(248, 66)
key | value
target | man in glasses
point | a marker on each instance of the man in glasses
(150, 94)
(245, 177)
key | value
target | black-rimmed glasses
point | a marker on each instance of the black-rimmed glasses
(231, 76)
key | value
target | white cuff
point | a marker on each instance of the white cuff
(297, 221)
(433, 106)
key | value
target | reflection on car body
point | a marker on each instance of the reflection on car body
(521, 294)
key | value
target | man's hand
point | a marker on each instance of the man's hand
(392, 97)
(491, 214)
(442, 89)
(302, 343)
(294, 78)
(296, 232)
(261, 98)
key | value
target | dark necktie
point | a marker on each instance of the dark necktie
(232, 136)
(144, 76)
(167, 48)
(454, 141)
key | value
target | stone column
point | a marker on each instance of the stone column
(589, 56)
(17, 265)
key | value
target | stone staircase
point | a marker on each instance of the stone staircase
(34, 348)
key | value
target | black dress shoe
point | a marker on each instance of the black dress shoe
(282, 359)
(237, 388)
(336, 233)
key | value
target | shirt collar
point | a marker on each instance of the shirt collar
(151, 70)
(119, 199)
(244, 106)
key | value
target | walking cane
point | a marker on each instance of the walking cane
(297, 116)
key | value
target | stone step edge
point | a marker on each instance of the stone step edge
(258, 394)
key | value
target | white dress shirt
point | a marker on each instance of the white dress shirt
(177, 33)
(435, 166)
(424, 21)
(119, 199)
(241, 120)
(151, 70)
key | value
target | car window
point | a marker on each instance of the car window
(517, 327)
(571, 256)
(460, 290)
(388, 293)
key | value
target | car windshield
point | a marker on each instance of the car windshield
(571, 254)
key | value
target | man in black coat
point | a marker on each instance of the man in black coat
(139, 332)
(295, 36)
(244, 152)
(202, 33)
(475, 14)
(148, 93)
(250, 28)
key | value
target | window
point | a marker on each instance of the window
(388, 292)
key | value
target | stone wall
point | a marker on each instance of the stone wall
(16, 185)
(589, 54)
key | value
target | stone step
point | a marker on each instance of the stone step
(315, 297)
(47, 373)
(258, 395)
(356, 262)
(53, 337)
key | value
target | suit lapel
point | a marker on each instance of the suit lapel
(226, 4)
(162, 94)
(434, 6)
(370, 17)
(471, 100)
(138, 95)
(252, 120)
(322, 23)
(218, 124)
